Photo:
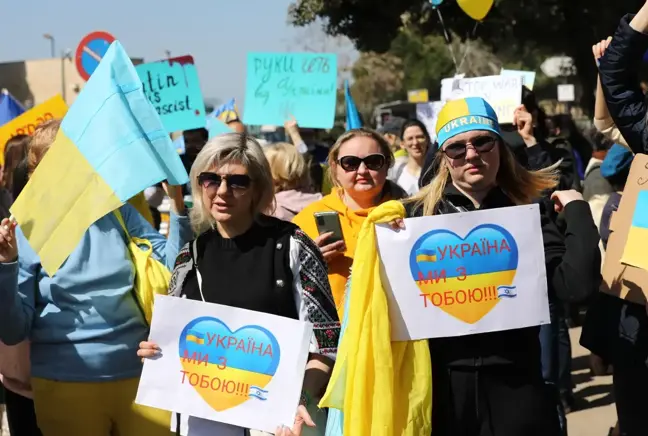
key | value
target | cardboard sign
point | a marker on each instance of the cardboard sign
(619, 279)
(279, 85)
(504, 93)
(173, 88)
(465, 273)
(225, 364)
(26, 124)
(428, 113)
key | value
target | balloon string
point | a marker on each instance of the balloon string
(447, 38)
(470, 37)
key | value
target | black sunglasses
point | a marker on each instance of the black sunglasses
(234, 181)
(481, 144)
(373, 162)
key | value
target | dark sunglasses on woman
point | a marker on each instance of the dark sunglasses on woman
(374, 162)
(481, 144)
(233, 181)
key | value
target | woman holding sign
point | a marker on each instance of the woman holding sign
(491, 384)
(248, 260)
(84, 322)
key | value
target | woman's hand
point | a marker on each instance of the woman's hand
(303, 417)
(599, 49)
(397, 224)
(176, 197)
(524, 122)
(563, 198)
(148, 350)
(330, 251)
(8, 246)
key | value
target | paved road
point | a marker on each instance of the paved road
(598, 413)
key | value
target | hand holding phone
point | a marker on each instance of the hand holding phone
(330, 239)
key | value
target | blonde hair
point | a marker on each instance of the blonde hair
(231, 148)
(288, 167)
(362, 132)
(519, 184)
(42, 139)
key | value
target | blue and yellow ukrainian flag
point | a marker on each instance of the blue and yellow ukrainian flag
(110, 147)
(426, 255)
(634, 253)
(196, 337)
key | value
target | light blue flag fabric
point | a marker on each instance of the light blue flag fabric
(10, 108)
(119, 131)
(352, 116)
(216, 127)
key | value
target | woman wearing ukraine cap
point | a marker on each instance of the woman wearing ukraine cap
(491, 384)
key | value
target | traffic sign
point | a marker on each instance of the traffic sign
(90, 51)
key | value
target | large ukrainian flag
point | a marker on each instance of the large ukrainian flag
(111, 146)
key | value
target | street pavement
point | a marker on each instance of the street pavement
(597, 413)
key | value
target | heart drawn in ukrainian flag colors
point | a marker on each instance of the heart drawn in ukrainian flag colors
(227, 368)
(465, 277)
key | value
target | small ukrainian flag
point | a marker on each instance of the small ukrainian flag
(426, 255)
(196, 337)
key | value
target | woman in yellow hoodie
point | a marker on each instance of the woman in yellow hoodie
(359, 162)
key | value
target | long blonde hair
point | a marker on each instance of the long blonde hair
(519, 184)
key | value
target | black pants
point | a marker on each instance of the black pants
(492, 401)
(630, 387)
(21, 415)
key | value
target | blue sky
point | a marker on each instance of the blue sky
(218, 33)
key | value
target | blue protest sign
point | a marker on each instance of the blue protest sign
(279, 85)
(173, 88)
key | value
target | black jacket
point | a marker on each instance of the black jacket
(573, 264)
(618, 70)
(544, 154)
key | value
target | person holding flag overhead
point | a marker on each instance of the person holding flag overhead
(67, 279)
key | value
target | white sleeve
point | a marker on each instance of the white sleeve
(313, 297)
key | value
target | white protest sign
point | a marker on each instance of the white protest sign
(566, 93)
(504, 93)
(428, 113)
(225, 364)
(528, 77)
(465, 273)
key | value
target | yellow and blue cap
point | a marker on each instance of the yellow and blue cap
(464, 115)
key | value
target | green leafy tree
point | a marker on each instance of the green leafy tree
(514, 27)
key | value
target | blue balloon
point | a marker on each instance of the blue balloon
(436, 2)
(645, 57)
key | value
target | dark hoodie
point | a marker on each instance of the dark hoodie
(573, 271)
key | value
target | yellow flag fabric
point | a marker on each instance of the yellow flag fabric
(151, 277)
(64, 213)
(384, 388)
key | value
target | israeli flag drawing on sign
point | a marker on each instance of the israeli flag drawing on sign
(258, 393)
(506, 292)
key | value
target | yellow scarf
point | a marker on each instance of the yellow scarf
(383, 388)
